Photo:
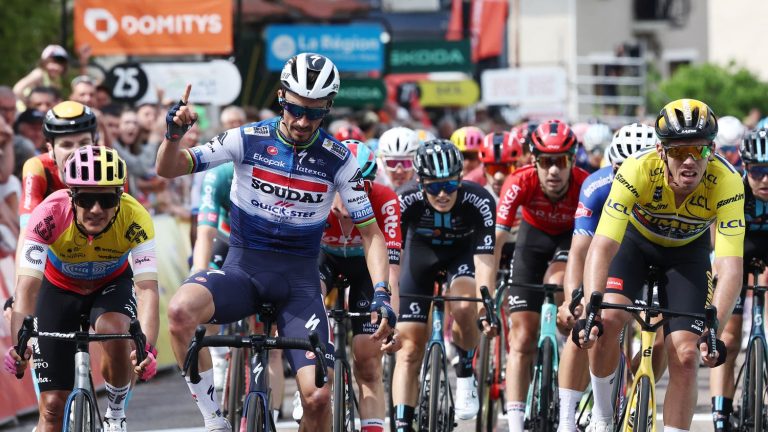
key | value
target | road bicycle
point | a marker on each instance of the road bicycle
(81, 411)
(640, 412)
(256, 415)
(751, 415)
(435, 406)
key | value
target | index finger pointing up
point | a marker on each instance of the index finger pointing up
(185, 98)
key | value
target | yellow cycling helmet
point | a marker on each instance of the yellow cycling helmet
(68, 118)
(94, 166)
(468, 138)
(686, 119)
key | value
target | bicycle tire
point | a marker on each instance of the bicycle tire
(548, 404)
(235, 387)
(343, 402)
(618, 391)
(438, 417)
(388, 370)
(486, 418)
(753, 419)
(256, 416)
(83, 414)
(642, 406)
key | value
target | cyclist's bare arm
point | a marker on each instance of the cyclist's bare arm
(25, 298)
(574, 273)
(485, 273)
(172, 161)
(201, 256)
(394, 282)
(601, 252)
(729, 279)
(376, 256)
(501, 239)
(148, 301)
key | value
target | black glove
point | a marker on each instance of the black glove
(581, 325)
(722, 351)
(173, 131)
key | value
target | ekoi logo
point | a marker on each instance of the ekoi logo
(101, 23)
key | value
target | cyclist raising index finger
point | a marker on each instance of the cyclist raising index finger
(287, 170)
(670, 196)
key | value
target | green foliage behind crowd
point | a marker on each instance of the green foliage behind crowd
(729, 90)
(26, 27)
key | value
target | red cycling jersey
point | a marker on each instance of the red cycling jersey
(522, 188)
(39, 178)
(386, 209)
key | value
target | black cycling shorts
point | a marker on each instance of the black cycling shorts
(755, 247)
(355, 270)
(420, 267)
(59, 310)
(535, 250)
(685, 275)
(291, 283)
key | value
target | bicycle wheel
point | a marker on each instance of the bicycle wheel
(752, 411)
(82, 411)
(256, 416)
(618, 391)
(343, 398)
(388, 369)
(235, 390)
(640, 420)
(543, 391)
(439, 405)
(486, 419)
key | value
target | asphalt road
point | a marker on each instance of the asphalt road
(164, 404)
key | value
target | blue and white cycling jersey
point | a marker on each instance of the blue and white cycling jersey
(594, 192)
(281, 194)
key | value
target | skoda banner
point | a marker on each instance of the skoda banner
(352, 48)
(430, 56)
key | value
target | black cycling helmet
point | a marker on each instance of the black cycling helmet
(68, 118)
(438, 159)
(686, 119)
(754, 147)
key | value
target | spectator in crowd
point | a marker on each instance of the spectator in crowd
(10, 191)
(29, 124)
(110, 118)
(369, 124)
(83, 90)
(138, 156)
(102, 98)
(232, 117)
(146, 114)
(445, 127)
(23, 149)
(52, 66)
(43, 98)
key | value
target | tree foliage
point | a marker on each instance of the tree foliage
(729, 90)
(28, 27)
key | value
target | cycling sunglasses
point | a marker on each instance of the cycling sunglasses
(682, 152)
(299, 111)
(393, 164)
(757, 172)
(86, 200)
(449, 186)
(547, 162)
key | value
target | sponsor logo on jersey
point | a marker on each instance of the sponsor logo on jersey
(282, 210)
(272, 150)
(699, 201)
(33, 254)
(390, 218)
(268, 161)
(45, 228)
(583, 211)
(657, 194)
(617, 206)
(288, 188)
(357, 179)
(615, 284)
(737, 197)
(630, 187)
(483, 205)
(335, 148)
(135, 233)
(258, 131)
(597, 184)
(671, 226)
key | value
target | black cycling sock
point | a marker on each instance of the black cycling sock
(722, 408)
(464, 366)
(403, 418)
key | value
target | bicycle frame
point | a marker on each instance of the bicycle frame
(647, 338)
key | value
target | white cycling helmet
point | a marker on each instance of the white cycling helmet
(597, 137)
(730, 132)
(311, 76)
(398, 142)
(630, 139)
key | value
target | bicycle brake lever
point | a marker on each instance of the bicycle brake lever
(25, 332)
(593, 309)
(139, 339)
(320, 376)
(710, 317)
(578, 294)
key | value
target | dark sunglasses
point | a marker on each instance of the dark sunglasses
(87, 200)
(682, 152)
(757, 172)
(299, 111)
(547, 162)
(449, 186)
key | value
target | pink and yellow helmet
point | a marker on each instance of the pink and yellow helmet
(94, 166)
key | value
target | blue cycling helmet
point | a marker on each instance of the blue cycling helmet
(754, 146)
(366, 161)
(762, 124)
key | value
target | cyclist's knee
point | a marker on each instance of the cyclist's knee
(112, 322)
(524, 334)
(183, 311)
(52, 407)
(464, 313)
(613, 321)
(732, 341)
(685, 359)
(411, 352)
(367, 369)
(317, 401)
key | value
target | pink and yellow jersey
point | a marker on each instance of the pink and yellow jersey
(55, 247)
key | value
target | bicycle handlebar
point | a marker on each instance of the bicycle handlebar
(490, 309)
(256, 341)
(576, 297)
(27, 331)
